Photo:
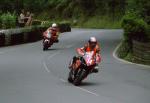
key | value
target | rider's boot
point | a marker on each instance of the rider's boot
(95, 70)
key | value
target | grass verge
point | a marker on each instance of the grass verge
(125, 53)
(99, 23)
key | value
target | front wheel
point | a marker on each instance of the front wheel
(45, 46)
(70, 79)
(80, 77)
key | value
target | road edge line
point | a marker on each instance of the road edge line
(125, 61)
(85, 90)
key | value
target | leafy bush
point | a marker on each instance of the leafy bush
(64, 26)
(134, 27)
(46, 23)
(8, 20)
(129, 57)
(0, 22)
(36, 22)
(99, 22)
(123, 50)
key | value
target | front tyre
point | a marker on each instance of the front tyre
(45, 48)
(80, 77)
(45, 45)
(70, 79)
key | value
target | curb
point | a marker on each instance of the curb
(21, 35)
(125, 61)
(26, 34)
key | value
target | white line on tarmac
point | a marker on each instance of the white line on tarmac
(53, 55)
(46, 68)
(69, 46)
(85, 90)
(44, 64)
(122, 60)
(63, 80)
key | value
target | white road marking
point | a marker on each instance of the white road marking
(122, 60)
(46, 68)
(85, 90)
(53, 55)
(44, 64)
(69, 46)
(63, 80)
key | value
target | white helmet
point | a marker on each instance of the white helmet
(92, 39)
(54, 25)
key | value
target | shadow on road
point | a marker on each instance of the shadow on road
(53, 49)
(83, 84)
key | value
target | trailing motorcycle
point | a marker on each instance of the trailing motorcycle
(48, 40)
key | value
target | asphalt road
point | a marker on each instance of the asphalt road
(29, 75)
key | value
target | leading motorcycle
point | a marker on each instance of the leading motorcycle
(86, 66)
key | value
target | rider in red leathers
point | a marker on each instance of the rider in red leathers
(91, 46)
(52, 33)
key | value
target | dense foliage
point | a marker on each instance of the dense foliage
(134, 27)
(141, 7)
(67, 8)
(107, 13)
(8, 20)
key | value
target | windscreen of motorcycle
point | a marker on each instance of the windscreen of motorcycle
(48, 34)
(88, 57)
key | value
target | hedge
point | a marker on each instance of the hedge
(21, 35)
(26, 34)
(135, 28)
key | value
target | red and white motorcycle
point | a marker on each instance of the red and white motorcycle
(48, 40)
(87, 64)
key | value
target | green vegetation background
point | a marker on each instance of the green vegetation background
(81, 13)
